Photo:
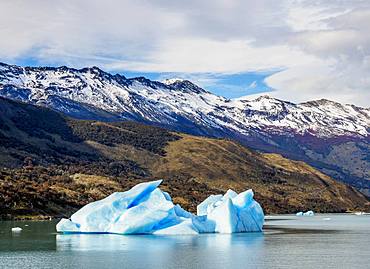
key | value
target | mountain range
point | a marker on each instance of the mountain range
(333, 137)
(51, 165)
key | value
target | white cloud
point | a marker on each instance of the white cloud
(323, 47)
(203, 55)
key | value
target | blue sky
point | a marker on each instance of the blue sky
(294, 50)
(227, 85)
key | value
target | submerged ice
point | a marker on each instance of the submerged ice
(145, 209)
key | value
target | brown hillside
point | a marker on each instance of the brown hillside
(51, 166)
(280, 184)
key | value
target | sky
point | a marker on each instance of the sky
(295, 50)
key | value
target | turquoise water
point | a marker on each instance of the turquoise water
(323, 241)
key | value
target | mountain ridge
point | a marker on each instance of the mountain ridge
(45, 81)
(164, 82)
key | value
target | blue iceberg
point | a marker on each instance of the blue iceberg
(145, 209)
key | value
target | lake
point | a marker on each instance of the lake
(323, 241)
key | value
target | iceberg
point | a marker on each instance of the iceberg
(145, 209)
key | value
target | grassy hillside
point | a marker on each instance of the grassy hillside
(280, 184)
(51, 166)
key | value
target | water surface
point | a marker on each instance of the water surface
(323, 241)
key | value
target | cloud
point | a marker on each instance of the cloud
(321, 48)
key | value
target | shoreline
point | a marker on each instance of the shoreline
(55, 218)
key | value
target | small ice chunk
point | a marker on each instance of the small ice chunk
(360, 213)
(309, 213)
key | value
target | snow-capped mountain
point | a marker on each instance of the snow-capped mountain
(175, 101)
(324, 133)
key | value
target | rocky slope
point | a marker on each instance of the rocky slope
(52, 165)
(330, 136)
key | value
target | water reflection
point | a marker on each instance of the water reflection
(213, 250)
(114, 242)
